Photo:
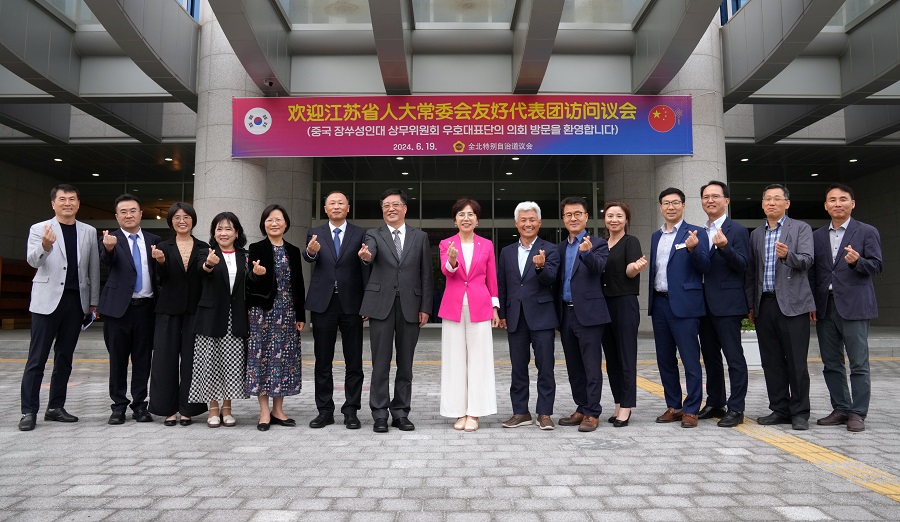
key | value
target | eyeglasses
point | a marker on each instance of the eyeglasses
(775, 199)
(674, 203)
(576, 215)
(129, 212)
(713, 197)
(180, 219)
(274, 221)
(392, 206)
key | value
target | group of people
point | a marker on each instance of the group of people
(209, 323)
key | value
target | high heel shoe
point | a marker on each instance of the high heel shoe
(621, 423)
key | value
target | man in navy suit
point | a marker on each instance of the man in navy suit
(847, 257)
(335, 293)
(726, 306)
(584, 313)
(679, 256)
(126, 305)
(526, 275)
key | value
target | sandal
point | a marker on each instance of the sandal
(471, 424)
(460, 423)
(213, 421)
(228, 420)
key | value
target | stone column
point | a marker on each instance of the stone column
(701, 78)
(290, 184)
(220, 182)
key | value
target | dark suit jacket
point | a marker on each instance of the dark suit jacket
(116, 295)
(792, 289)
(261, 290)
(684, 272)
(723, 285)
(347, 271)
(179, 288)
(411, 276)
(854, 291)
(218, 300)
(586, 282)
(533, 291)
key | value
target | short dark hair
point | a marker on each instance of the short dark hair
(235, 222)
(461, 204)
(725, 191)
(842, 188)
(126, 197)
(669, 191)
(621, 204)
(333, 192)
(265, 215)
(181, 205)
(787, 194)
(574, 200)
(64, 187)
(393, 192)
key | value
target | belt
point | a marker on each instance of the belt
(768, 294)
(664, 295)
(141, 301)
(570, 304)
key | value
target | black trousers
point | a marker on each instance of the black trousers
(64, 325)
(129, 336)
(783, 347)
(325, 329)
(521, 343)
(173, 364)
(584, 358)
(620, 347)
(382, 336)
(722, 335)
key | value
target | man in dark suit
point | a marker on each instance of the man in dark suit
(847, 257)
(126, 305)
(65, 288)
(335, 293)
(679, 256)
(398, 300)
(726, 306)
(584, 313)
(781, 254)
(526, 275)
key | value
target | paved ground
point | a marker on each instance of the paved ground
(646, 471)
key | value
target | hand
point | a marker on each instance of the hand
(495, 321)
(641, 263)
(157, 254)
(93, 311)
(812, 316)
(691, 241)
(423, 319)
(259, 270)
(452, 254)
(47, 238)
(300, 325)
(109, 241)
(585, 245)
(852, 256)
(364, 253)
(313, 246)
(503, 323)
(719, 239)
(750, 317)
(212, 259)
(539, 259)
(781, 250)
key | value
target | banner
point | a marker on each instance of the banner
(456, 125)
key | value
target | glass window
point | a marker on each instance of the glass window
(429, 12)
(440, 198)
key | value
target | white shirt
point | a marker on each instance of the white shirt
(402, 230)
(231, 265)
(711, 229)
(663, 249)
(146, 288)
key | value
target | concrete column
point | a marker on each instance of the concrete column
(290, 184)
(220, 182)
(701, 78)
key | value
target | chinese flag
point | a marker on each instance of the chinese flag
(661, 118)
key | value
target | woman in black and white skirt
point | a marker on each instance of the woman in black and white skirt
(221, 321)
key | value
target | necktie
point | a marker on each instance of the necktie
(397, 244)
(136, 257)
(337, 242)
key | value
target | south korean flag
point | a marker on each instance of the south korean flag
(258, 121)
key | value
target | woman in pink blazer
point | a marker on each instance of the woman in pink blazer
(469, 310)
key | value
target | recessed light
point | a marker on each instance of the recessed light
(95, 175)
(157, 217)
(502, 189)
(400, 158)
(134, 190)
(745, 159)
(409, 188)
(814, 174)
(853, 161)
(515, 158)
(404, 173)
(193, 173)
(509, 173)
(160, 199)
(168, 159)
(748, 199)
(57, 159)
(412, 198)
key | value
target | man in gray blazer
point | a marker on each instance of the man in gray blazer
(781, 254)
(65, 289)
(398, 301)
(848, 256)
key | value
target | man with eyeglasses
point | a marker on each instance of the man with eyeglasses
(127, 304)
(679, 256)
(781, 254)
(726, 306)
(398, 302)
(584, 313)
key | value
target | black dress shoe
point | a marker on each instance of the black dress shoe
(380, 426)
(708, 412)
(773, 419)
(322, 420)
(170, 422)
(289, 423)
(142, 415)
(263, 426)
(621, 423)
(59, 415)
(27, 422)
(352, 421)
(117, 417)
(731, 419)
(611, 420)
(799, 423)
(185, 421)
(403, 424)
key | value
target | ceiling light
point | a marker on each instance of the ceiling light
(412, 198)
(853, 161)
(745, 159)
(95, 175)
(409, 188)
(509, 173)
(814, 174)
(400, 158)
(502, 189)
(57, 159)
(168, 159)
(157, 217)
(515, 158)
(404, 173)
